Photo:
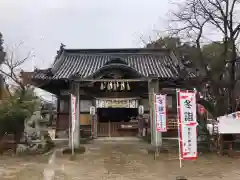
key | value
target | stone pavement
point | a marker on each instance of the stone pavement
(115, 161)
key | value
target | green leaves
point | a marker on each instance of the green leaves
(19, 106)
(209, 61)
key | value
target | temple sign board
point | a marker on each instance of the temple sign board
(117, 103)
(229, 124)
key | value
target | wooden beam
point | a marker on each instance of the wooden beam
(112, 80)
(117, 95)
(68, 92)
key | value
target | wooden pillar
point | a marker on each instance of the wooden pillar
(156, 137)
(150, 97)
(77, 124)
(94, 126)
(94, 121)
(76, 134)
(58, 112)
(70, 119)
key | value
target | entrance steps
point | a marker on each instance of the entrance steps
(117, 140)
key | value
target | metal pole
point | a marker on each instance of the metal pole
(179, 140)
(154, 142)
(70, 120)
(156, 153)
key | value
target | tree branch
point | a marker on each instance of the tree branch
(12, 64)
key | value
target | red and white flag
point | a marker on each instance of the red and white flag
(160, 112)
(73, 111)
(187, 120)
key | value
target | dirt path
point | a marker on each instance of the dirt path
(125, 161)
(22, 168)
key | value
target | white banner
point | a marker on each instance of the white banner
(73, 111)
(187, 120)
(160, 112)
(188, 142)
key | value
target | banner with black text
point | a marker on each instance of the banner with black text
(187, 119)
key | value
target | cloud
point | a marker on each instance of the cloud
(43, 25)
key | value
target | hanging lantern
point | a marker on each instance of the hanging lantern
(128, 87)
(92, 110)
(102, 86)
(141, 110)
(122, 86)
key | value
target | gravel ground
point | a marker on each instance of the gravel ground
(22, 168)
(115, 161)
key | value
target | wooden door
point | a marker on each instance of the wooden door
(114, 129)
(103, 129)
(108, 129)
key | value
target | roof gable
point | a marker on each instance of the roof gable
(116, 60)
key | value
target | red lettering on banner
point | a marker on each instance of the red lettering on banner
(187, 124)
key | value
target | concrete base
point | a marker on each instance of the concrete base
(153, 150)
(121, 140)
(117, 139)
(61, 142)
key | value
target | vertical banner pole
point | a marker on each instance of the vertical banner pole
(155, 126)
(179, 137)
(187, 124)
(160, 124)
(73, 118)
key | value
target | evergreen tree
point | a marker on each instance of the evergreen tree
(1, 42)
(2, 53)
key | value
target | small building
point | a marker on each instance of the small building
(116, 82)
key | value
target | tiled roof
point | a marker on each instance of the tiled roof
(42, 74)
(161, 63)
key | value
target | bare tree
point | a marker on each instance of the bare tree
(12, 64)
(194, 19)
